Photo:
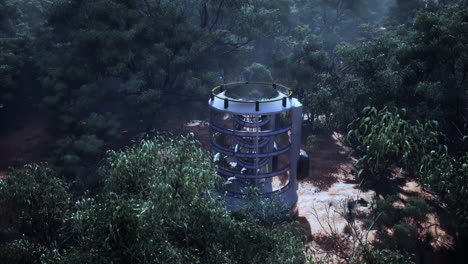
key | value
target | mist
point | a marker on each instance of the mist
(382, 83)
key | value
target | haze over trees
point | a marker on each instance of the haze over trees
(388, 74)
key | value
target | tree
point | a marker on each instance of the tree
(420, 68)
(130, 58)
(158, 204)
(338, 20)
(18, 71)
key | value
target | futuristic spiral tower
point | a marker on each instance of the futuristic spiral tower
(255, 132)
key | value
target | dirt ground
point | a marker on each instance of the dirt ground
(323, 194)
(329, 184)
(28, 143)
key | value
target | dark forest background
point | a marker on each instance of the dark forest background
(389, 74)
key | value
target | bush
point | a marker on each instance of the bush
(385, 256)
(384, 140)
(22, 252)
(446, 174)
(139, 170)
(103, 125)
(34, 201)
(74, 155)
(159, 206)
(397, 222)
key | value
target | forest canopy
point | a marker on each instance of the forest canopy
(388, 74)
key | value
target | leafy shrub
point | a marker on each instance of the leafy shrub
(446, 174)
(181, 163)
(21, 251)
(384, 141)
(35, 202)
(102, 124)
(159, 205)
(265, 210)
(74, 154)
(402, 218)
(385, 256)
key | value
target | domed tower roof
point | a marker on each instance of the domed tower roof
(252, 98)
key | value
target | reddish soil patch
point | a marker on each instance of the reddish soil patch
(328, 186)
(433, 227)
(328, 163)
(330, 183)
(27, 144)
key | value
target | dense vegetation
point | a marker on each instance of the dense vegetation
(157, 205)
(389, 74)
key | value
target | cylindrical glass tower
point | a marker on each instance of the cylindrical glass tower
(255, 132)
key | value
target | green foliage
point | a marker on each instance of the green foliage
(384, 141)
(338, 20)
(307, 63)
(446, 174)
(18, 71)
(121, 230)
(142, 52)
(105, 125)
(419, 67)
(15, 60)
(403, 11)
(385, 256)
(132, 57)
(159, 205)
(34, 202)
(73, 154)
(402, 218)
(180, 162)
(21, 251)
(93, 64)
(258, 72)
(268, 211)
(369, 76)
